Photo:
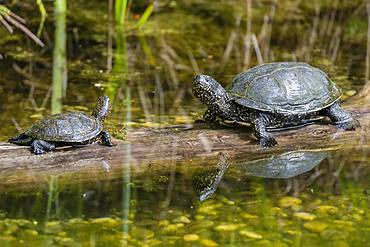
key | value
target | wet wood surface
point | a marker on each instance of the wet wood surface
(146, 149)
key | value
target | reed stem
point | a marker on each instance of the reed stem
(367, 73)
(59, 56)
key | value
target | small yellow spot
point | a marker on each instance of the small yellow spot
(31, 233)
(350, 92)
(250, 234)
(249, 216)
(226, 227)
(289, 201)
(315, 226)
(183, 219)
(343, 222)
(36, 116)
(62, 234)
(325, 209)
(305, 216)
(191, 237)
(209, 243)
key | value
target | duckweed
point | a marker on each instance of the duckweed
(191, 237)
(106, 221)
(315, 226)
(141, 233)
(249, 216)
(209, 243)
(226, 227)
(333, 234)
(173, 228)
(327, 209)
(183, 219)
(250, 234)
(30, 233)
(289, 201)
(304, 216)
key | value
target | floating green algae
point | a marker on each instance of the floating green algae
(269, 217)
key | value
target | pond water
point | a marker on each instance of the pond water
(295, 199)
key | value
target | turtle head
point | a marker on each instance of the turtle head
(208, 90)
(102, 108)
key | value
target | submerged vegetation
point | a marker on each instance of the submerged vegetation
(281, 224)
(328, 204)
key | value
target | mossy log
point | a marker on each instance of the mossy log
(156, 148)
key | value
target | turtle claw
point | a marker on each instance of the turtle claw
(38, 151)
(348, 125)
(267, 142)
(40, 147)
(109, 144)
(341, 118)
(105, 138)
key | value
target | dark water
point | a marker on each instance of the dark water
(315, 199)
(311, 200)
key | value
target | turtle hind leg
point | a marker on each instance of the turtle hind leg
(21, 139)
(40, 146)
(259, 123)
(105, 138)
(341, 118)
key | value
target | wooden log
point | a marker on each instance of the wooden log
(155, 148)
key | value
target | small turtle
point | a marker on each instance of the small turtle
(67, 129)
(273, 96)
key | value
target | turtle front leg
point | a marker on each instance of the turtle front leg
(341, 118)
(259, 123)
(211, 118)
(105, 138)
(40, 146)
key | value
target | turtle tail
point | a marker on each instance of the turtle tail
(21, 139)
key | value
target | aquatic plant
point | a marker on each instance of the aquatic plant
(145, 16)
(120, 9)
(59, 56)
(43, 16)
(9, 19)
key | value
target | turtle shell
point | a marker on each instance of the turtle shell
(286, 165)
(66, 127)
(287, 87)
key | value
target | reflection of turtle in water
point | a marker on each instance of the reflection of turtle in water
(286, 165)
(283, 166)
(72, 128)
(274, 95)
(206, 181)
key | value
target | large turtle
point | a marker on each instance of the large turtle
(67, 129)
(286, 165)
(274, 95)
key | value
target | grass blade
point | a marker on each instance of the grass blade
(144, 18)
